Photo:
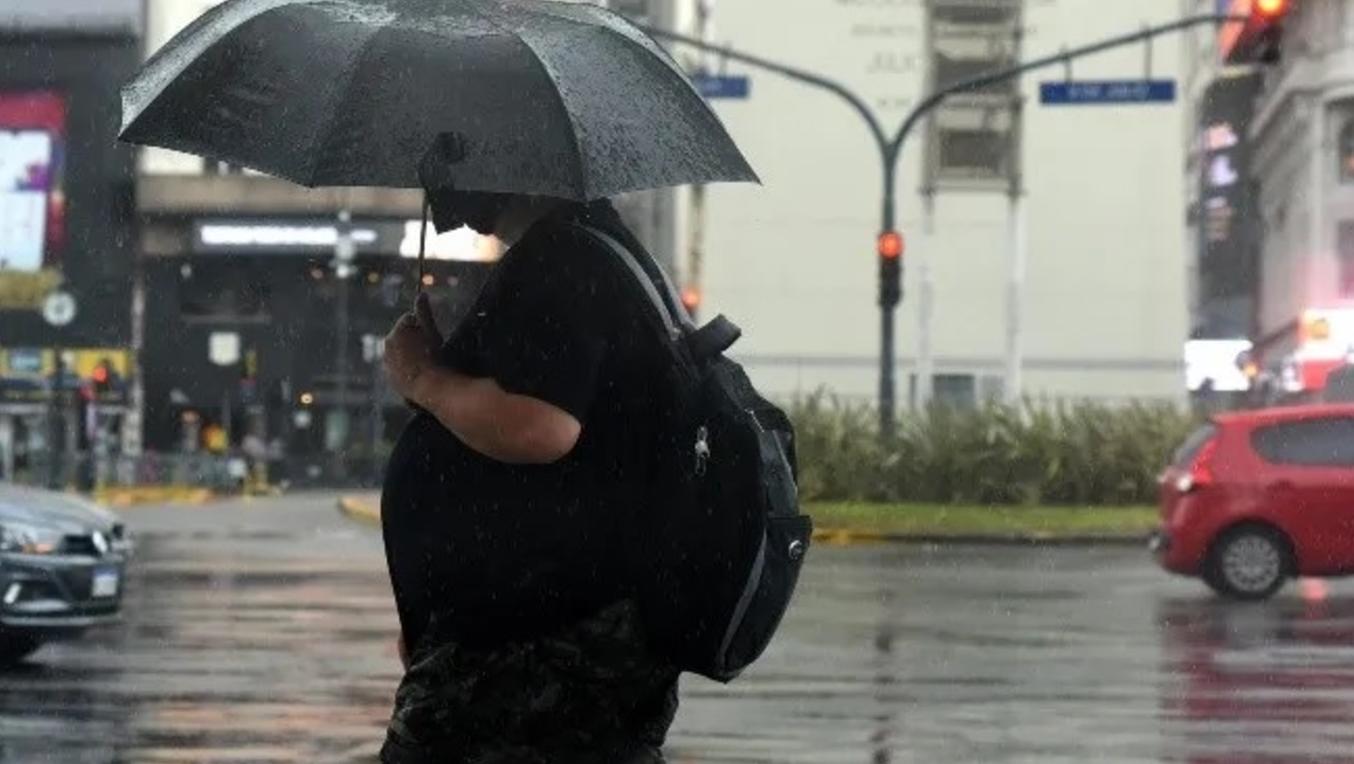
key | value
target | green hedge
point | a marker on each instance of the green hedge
(1036, 453)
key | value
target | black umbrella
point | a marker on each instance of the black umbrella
(550, 98)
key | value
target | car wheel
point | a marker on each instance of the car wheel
(1210, 577)
(1249, 563)
(15, 647)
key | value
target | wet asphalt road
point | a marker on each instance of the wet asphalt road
(263, 632)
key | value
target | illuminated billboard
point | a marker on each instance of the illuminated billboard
(1216, 365)
(281, 236)
(32, 199)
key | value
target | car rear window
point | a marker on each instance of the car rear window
(1327, 442)
(1190, 448)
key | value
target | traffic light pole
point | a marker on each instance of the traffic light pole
(890, 296)
(890, 148)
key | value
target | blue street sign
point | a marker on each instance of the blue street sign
(25, 361)
(1091, 92)
(722, 86)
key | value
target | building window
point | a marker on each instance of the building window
(959, 391)
(974, 144)
(1345, 258)
(991, 388)
(955, 390)
(973, 138)
(1346, 150)
(224, 291)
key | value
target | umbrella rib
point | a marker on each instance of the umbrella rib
(663, 55)
(340, 93)
(653, 47)
(148, 85)
(582, 185)
(581, 188)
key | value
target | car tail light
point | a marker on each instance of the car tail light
(1200, 471)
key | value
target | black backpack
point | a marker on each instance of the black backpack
(719, 548)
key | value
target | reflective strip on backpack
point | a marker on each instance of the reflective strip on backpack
(677, 325)
(750, 588)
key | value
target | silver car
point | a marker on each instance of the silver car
(62, 566)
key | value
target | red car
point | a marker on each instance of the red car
(1254, 498)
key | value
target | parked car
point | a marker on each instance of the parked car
(1254, 498)
(62, 562)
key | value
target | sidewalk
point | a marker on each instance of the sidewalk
(842, 528)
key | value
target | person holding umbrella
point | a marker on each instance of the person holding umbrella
(507, 497)
(505, 504)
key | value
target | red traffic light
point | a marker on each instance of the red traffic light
(1254, 32)
(1271, 9)
(890, 245)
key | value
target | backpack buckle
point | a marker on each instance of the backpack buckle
(702, 449)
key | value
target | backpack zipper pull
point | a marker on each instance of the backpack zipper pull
(702, 449)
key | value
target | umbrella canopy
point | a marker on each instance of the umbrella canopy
(550, 98)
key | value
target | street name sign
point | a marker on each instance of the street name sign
(722, 86)
(1106, 92)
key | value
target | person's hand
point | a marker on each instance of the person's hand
(411, 347)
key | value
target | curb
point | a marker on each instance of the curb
(123, 498)
(367, 512)
(360, 510)
(833, 537)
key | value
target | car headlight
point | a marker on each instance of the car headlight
(27, 539)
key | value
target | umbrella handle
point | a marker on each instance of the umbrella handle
(422, 244)
(422, 248)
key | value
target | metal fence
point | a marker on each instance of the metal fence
(88, 471)
(221, 473)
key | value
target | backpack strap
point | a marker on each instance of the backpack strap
(676, 323)
(706, 342)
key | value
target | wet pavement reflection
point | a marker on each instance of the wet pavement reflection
(256, 632)
(263, 632)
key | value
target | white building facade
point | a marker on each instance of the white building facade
(1104, 309)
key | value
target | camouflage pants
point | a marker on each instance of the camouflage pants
(591, 693)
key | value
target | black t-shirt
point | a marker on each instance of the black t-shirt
(494, 551)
